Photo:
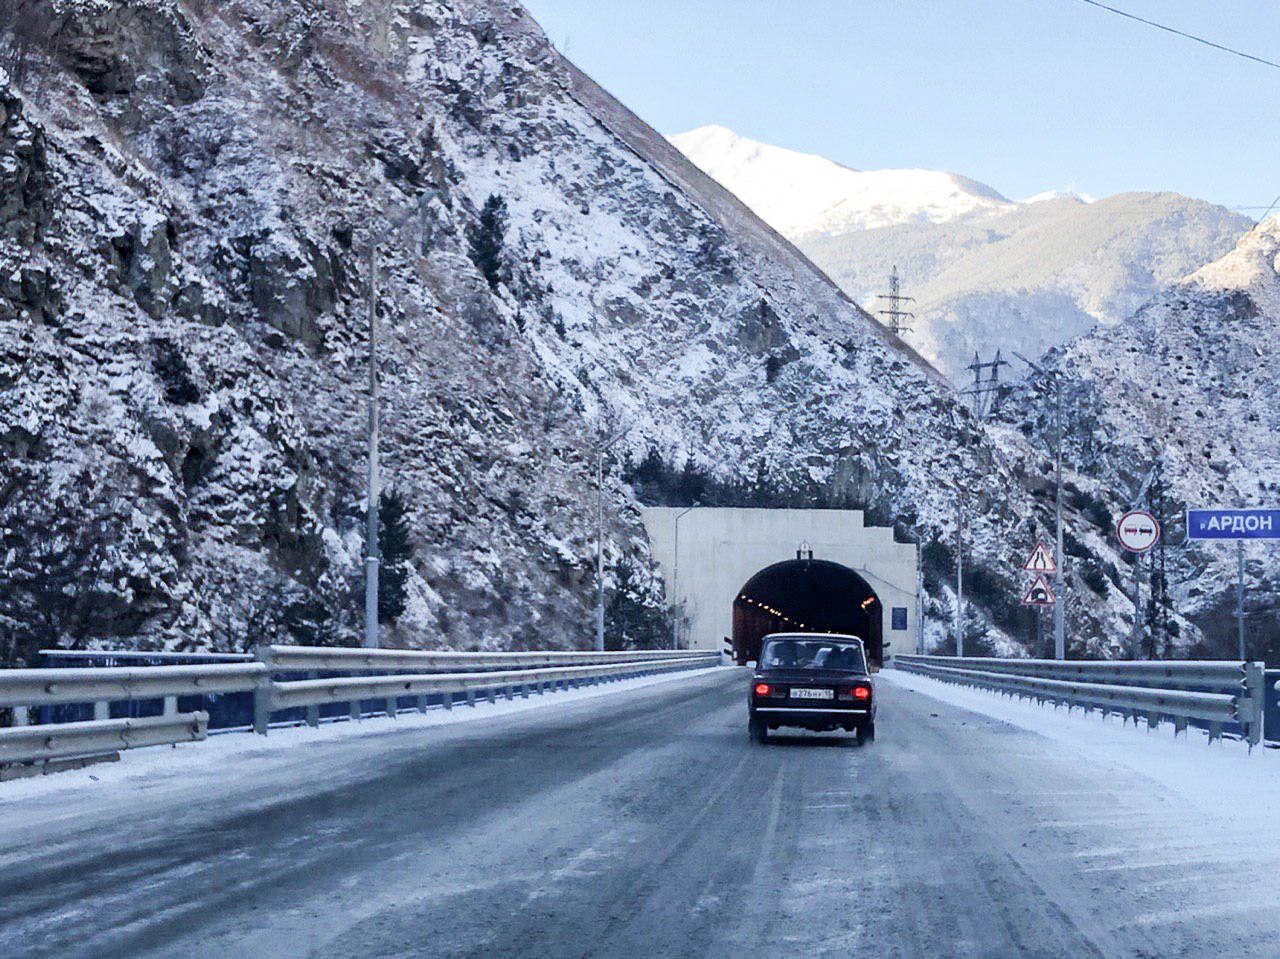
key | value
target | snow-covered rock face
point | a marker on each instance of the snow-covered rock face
(1189, 382)
(183, 336)
(985, 273)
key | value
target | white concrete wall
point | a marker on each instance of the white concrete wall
(720, 549)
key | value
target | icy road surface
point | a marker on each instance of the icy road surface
(643, 823)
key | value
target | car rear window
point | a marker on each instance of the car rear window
(813, 654)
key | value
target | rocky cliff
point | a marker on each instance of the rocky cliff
(191, 194)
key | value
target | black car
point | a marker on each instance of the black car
(815, 681)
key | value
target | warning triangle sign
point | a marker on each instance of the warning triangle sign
(1040, 560)
(1040, 593)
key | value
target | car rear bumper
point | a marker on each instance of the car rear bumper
(827, 711)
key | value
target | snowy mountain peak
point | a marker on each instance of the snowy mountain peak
(1059, 195)
(802, 193)
(1252, 267)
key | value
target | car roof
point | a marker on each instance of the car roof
(840, 637)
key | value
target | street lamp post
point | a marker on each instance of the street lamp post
(601, 448)
(373, 550)
(960, 508)
(675, 579)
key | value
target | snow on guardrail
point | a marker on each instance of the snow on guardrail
(425, 673)
(1216, 692)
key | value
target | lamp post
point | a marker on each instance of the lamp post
(675, 579)
(602, 447)
(373, 550)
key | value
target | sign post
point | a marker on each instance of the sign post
(1238, 525)
(1039, 594)
(1138, 532)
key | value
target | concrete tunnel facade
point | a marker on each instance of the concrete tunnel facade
(724, 566)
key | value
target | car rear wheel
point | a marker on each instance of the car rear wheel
(759, 730)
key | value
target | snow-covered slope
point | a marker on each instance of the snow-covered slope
(800, 194)
(1189, 382)
(187, 211)
(985, 273)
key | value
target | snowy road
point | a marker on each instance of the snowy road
(638, 823)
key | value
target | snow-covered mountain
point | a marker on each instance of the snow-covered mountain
(190, 194)
(986, 273)
(1190, 383)
(800, 194)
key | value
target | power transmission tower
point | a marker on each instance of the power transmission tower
(985, 393)
(897, 316)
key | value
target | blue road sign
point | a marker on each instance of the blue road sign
(1233, 524)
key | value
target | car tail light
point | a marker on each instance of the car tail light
(762, 689)
(858, 693)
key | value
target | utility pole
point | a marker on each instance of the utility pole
(960, 507)
(602, 447)
(1059, 594)
(1240, 597)
(897, 316)
(985, 392)
(1060, 599)
(919, 602)
(373, 550)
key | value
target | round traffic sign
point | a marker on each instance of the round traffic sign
(1138, 531)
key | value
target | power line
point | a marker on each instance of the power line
(1188, 36)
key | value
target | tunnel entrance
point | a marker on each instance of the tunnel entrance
(806, 596)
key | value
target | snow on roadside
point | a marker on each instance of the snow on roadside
(140, 769)
(1225, 779)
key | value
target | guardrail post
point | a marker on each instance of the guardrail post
(22, 715)
(171, 706)
(262, 695)
(1252, 707)
(313, 712)
(471, 698)
(101, 711)
(393, 707)
(354, 710)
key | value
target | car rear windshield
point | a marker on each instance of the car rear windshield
(813, 654)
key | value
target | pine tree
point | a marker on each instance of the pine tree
(397, 554)
(486, 240)
(629, 622)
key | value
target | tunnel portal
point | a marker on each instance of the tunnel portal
(806, 596)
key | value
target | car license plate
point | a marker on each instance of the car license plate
(812, 693)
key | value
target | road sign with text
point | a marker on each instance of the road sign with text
(1233, 524)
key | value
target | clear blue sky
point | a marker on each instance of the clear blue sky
(1024, 95)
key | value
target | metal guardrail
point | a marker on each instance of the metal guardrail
(344, 659)
(1218, 693)
(45, 687)
(429, 673)
(312, 693)
(61, 740)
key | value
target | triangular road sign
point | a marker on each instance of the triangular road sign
(1040, 593)
(1040, 560)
